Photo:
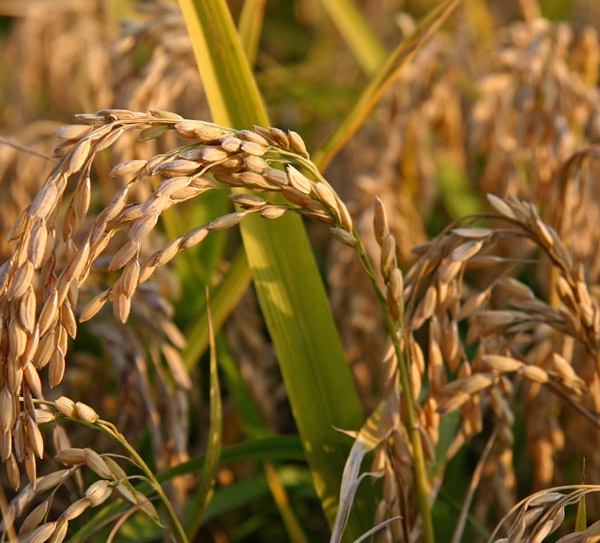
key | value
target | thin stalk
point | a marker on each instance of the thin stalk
(250, 26)
(280, 496)
(475, 480)
(359, 36)
(10, 528)
(415, 437)
(25, 149)
(111, 431)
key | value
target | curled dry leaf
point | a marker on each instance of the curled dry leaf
(376, 429)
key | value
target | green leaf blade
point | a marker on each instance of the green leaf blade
(287, 281)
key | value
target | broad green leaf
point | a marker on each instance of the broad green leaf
(382, 80)
(246, 491)
(285, 275)
(365, 45)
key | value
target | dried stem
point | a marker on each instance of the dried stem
(24, 149)
(10, 529)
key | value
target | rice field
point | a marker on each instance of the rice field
(322, 270)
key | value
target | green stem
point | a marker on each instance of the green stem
(110, 430)
(415, 437)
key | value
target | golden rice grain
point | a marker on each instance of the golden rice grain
(94, 461)
(94, 305)
(121, 305)
(34, 436)
(254, 137)
(43, 533)
(535, 374)
(31, 468)
(466, 251)
(86, 413)
(299, 181)
(33, 380)
(8, 414)
(273, 212)
(71, 456)
(501, 206)
(44, 202)
(127, 168)
(276, 176)
(76, 509)
(79, 156)
(71, 131)
(98, 492)
(296, 142)
(21, 281)
(66, 406)
(388, 255)
(56, 367)
(127, 253)
(62, 526)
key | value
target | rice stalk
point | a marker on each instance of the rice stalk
(184, 176)
(429, 293)
(496, 319)
(35, 526)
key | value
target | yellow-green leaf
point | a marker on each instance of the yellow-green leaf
(382, 80)
(365, 45)
(288, 285)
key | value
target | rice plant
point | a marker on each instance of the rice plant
(444, 385)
